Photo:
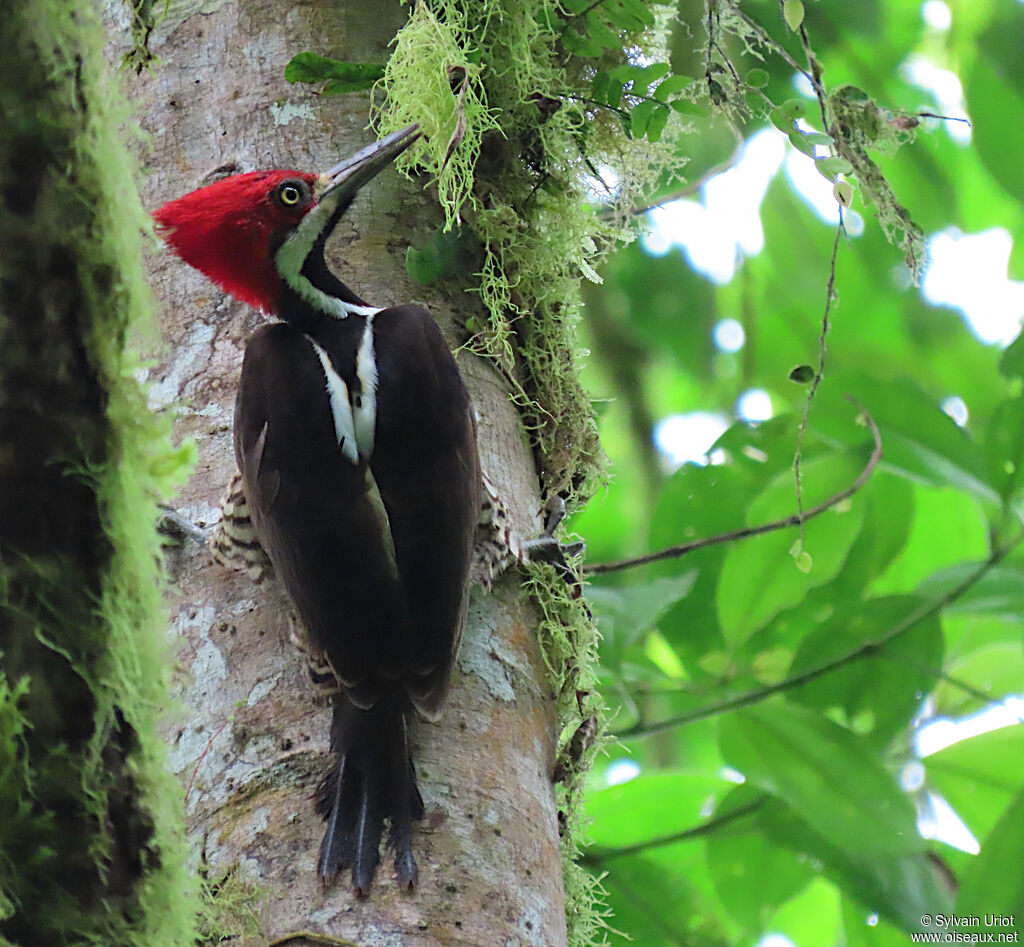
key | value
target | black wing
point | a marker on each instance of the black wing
(374, 553)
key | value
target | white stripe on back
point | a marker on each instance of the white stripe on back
(341, 409)
(364, 407)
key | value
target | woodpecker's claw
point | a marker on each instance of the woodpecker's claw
(545, 548)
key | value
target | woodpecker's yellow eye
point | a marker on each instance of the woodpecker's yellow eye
(290, 194)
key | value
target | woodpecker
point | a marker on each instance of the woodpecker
(359, 481)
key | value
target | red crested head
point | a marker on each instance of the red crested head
(253, 234)
(230, 230)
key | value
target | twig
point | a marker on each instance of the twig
(765, 38)
(956, 682)
(818, 374)
(599, 854)
(797, 519)
(691, 187)
(592, 6)
(925, 610)
(601, 105)
(629, 695)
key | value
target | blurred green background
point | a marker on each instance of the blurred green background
(841, 810)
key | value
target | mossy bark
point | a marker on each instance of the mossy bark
(253, 743)
(89, 851)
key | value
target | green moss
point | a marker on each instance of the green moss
(93, 626)
(519, 181)
(230, 909)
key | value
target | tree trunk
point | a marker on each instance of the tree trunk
(252, 744)
(90, 842)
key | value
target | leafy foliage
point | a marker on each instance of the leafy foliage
(337, 77)
(815, 662)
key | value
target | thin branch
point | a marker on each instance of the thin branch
(629, 695)
(686, 190)
(819, 373)
(576, 16)
(925, 610)
(594, 102)
(797, 519)
(599, 854)
(765, 38)
(960, 684)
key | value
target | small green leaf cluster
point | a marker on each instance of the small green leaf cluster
(644, 96)
(591, 29)
(335, 77)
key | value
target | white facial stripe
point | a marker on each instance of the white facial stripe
(364, 410)
(341, 409)
(291, 257)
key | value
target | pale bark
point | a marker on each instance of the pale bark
(250, 742)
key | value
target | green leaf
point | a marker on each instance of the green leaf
(627, 72)
(879, 693)
(994, 884)
(599, 32)
(599, 86)
(863, 928)
(1004, 445)
(753, 876)
(339, 76)
(1011, 364)
(639, 118)
(802, 375)
(630, 14)
(793, 12)
(979, 777)
(341, 86)
(783, 116)
(800, 141)
(948, 527)
(997, 131)
(811, 917)
(625, 612)
(662, 894)
(826, 774)
(615, 93)
(919, 439)
(900, 888)
(833, 166)
(707, 500)
(672, 85)
(757, 78)
(580, 44)
(657, 124)
(685, 107)
(444, 254)
(996, 669)
(648, 75)
(758, 577)
(1000, 591)
(652, 805)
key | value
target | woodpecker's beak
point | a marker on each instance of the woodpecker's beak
(347, 177)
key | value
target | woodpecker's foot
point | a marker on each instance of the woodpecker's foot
(545, 548)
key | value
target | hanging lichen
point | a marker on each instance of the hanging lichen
(534, 149)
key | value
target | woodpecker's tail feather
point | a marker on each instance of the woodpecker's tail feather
(372, 780)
